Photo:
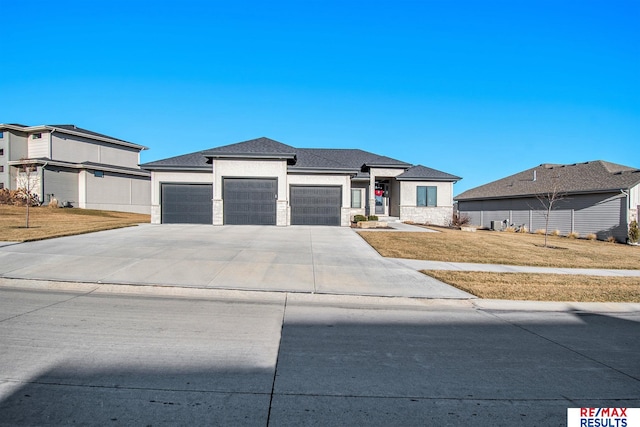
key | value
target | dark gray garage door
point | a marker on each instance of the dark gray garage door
(187, 203)
(315, 205)
(250, 201)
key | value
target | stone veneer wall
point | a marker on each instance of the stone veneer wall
(427, 215)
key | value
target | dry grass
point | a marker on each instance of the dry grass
(48, 222)
(542, 287)
(488, 247)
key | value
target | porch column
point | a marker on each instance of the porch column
(371, 208)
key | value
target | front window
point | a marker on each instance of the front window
(36, 136)
(356, 198)
(427, 196)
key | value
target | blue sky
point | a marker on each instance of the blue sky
(479, 89)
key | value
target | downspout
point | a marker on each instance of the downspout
(627, 206)
(44, 165)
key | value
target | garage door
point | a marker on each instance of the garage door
(187, 203)
(250, 201)
(315, 205)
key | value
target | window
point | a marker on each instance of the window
(1, 151)
(356, 198)
(98, 174)
(1, 185)
(1, 168)
(427, 196)
(1, 134)
(36, 136)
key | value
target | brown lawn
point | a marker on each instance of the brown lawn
(45, 222)
(542, 287)
(490, 247)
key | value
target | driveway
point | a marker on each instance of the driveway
(329, 260)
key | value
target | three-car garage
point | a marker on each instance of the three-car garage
(249, 201)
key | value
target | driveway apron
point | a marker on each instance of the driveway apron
(312, 259)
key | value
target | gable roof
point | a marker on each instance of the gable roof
(423, 173)
(591, 177)
(299, 159)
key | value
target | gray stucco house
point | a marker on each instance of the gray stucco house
(262, 181)
(76, 166)
(597, 197)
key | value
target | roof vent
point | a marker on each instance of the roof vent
(535, 175)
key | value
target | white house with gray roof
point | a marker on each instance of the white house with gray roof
(262, 181)
(595, 197)
(75, 166)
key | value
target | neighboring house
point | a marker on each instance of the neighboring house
(75, 166)
(596, 197)
(263, 181)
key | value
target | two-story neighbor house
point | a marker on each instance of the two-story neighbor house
(263, 181)
(75, 166)
(596, 197)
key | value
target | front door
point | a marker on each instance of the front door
(382, 198)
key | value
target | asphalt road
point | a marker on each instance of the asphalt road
(120, 355)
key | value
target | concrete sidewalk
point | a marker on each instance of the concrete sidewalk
(501, 268)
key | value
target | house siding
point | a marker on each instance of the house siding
(601, 214)
(39, 148)
(62, 184)
(73, 148)
(441, 214)
(117, 192)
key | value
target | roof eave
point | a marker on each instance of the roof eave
(520, 196)
(245, 156)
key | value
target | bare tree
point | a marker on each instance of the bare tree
(549, 199)
(27, 180)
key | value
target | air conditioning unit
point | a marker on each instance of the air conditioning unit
(496, 225)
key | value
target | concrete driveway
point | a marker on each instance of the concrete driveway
(329, 260)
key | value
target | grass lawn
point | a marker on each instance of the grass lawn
(542, 287)
(46, 222)
(491, 247)
(487, 247)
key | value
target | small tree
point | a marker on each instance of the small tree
(549, 199)
(27, 180)
(634, 232)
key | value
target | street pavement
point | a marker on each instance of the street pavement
(97, 354)
(330, 260)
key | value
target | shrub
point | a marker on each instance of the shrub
(17, 198)
(510, 229)
(591, 236)
(373, 218)
(611, 239)
(540, 231)
(523, 229)
(634, 233)
(555, 233)
(460, 220)
(573, 235)
(358, 218)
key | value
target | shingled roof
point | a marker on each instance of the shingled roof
(299, 159)
(591, 177)
(423, 173)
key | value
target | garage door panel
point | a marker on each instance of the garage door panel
(250, 201)
(315, 205)
(186, 203)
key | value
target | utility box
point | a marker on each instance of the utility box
(496, 225)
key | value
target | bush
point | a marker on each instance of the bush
(540, 231)
(358, 218)
(634, 233)
(523, 229)
(555, 233)
(591, 236)
(460, 220)
(611, 239)
(373, 218)
(510, 229)
(17, 198)
(573, 235)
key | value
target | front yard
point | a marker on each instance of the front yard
(46, 222)
(487, 247)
